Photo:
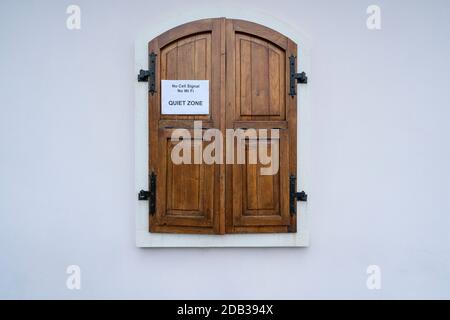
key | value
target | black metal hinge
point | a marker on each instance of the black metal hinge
(150, 74)
(294, 195)
(150, 195)
(295, 77)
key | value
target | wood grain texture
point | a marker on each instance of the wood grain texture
(257, 97)
(188, 195)
(247, 67)
(259, 79)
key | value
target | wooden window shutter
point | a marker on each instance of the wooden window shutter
(250, 83)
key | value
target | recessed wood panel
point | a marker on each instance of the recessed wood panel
(260, 192)
(185, 190)
(187, 59)
(260, 79)
(259, 199)
(183, 186)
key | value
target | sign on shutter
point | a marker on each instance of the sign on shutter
(185, 97)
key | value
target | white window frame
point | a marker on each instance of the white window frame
(146, 239)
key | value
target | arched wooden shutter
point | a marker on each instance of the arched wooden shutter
(258, 97)
(248, 69)
(187, 195)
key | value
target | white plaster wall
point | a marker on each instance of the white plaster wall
(378, 178)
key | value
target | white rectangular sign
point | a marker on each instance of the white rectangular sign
(185, 97)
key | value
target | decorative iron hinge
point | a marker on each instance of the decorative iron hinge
(294, 195)
(150, 74)
(150, 195)
(295, 77)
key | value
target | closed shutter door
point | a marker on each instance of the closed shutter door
(258, 98)
(247, 66)
(187, 195)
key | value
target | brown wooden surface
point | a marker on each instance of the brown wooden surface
(188, 195)
(247, 66)
(257, 97)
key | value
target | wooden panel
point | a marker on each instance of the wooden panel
(259, 199)
(183, 186)
(201, 66)
(260, 192)
(244, 80)
(276, 81)
(188, 196)
(185, 191)
(169, 63)
(187, 59)
(260, 79)
(257, 97)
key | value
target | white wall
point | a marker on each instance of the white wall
(379, 174)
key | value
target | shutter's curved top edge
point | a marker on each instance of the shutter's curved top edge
(209, 24)
(261, 31)
(184, 30)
